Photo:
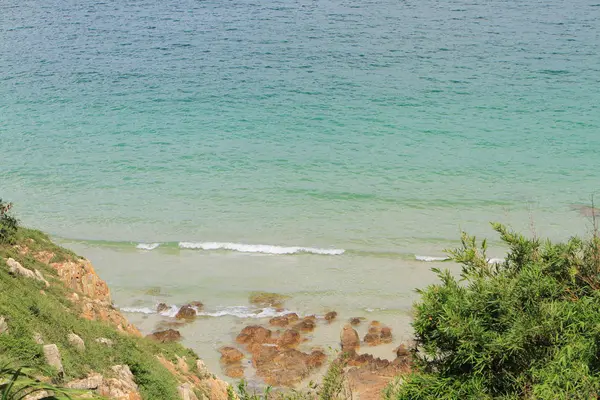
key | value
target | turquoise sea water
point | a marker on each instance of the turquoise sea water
(363, 125)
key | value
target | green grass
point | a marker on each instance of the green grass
(29, 311)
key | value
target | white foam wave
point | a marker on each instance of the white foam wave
(234, 311)
(245, 312)
(258, 248)
(430, 258)
(142, 310)
(147, 246)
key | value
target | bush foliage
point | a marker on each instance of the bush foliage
(526, 328)
(8, 224)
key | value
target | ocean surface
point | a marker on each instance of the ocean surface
(320, 148)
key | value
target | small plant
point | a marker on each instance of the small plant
(15, 384)
(8, 224)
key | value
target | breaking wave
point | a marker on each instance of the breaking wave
(258, 248)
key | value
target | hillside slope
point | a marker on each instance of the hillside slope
(51, 299)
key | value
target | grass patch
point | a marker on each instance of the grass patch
(30, 308)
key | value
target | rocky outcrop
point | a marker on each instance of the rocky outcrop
(186, 312)
(285, 367)
(101, 310)
(307, 324)
(349, 339)
(254, 334)
(289, 339)
(52, 356)
(330, 316)
(121, 387)
(162, 307)
(92, 382)
(186, 393)
(80, 276)
(76, 341)
(230, 355)
(378, 334)
(16, 269)
(169, 335)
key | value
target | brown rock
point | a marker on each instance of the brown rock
(372, 339)
(349, 339)
(279, 321)
(80, 276)
(402, 352)
(386, 334)
(305, 325)
(235, 371)
(169, 335)
(122, 387)
(266, 299)
(355, 321)
(374, 329)
(230, 355)
(285, 369)
(263, 354)
(292, 317)
(186, 312)
(162, 307)
(197, 304)
(254, 334)
(311, 318)
(289, 339)
(330, 316)
(375, 323)
(316, 359)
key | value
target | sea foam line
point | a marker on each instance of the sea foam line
(147, 246)
(430, 258)
(234, 311)
(258, 248)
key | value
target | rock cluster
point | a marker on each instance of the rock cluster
(378, 334)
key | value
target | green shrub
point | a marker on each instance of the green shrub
(8, 224)
(526, 328)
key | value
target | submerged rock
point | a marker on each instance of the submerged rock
(186, 312)
(378, 334)
(230, 355)
(254, 334)
(330, 316)
(289, 339)
(197, 304)
(162, 307)
(281, 321)
(266, 299)
(168, 335)
(355, 321)
(308, 324)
